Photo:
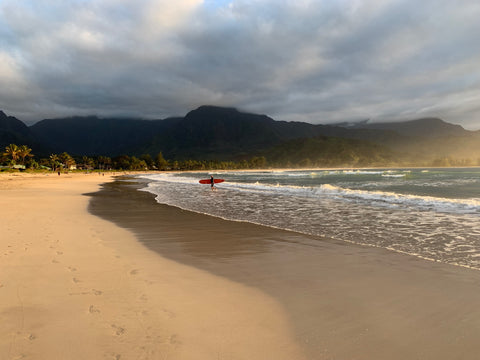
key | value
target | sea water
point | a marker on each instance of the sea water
(429, 213)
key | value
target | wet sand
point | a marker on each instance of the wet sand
(340, 301)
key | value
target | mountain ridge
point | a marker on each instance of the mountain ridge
(14, 131)
(211, 132)
(421, 127)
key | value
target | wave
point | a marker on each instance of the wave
(170, 177)
(368, 197)
(330, 191)
(394, 175)
(395, 199)
(429, 227)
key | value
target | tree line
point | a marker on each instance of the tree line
(23, 158)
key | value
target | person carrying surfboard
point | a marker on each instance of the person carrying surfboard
(211, 181)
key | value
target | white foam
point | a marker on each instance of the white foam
(394, 175)
(423, 202)
(169, 177)
(375, 198)
(433, 228)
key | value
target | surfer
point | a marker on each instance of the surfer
(212, 182)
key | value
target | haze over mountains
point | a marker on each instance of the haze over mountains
(227, 134)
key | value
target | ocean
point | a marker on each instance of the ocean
(432, 213)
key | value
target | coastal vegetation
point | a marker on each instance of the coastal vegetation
(20, 157)
(294, 154)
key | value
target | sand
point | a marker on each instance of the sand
(74, 286)
(146, 281)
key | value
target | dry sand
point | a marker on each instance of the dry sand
(74, 286)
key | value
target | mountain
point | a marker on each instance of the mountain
(14, 131)
(205, 133)
(330, 151)
(426, 128)
(94, 136)
(217, 133)
(422, 140)
(211, 132)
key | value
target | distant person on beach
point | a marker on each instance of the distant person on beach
(212, 182)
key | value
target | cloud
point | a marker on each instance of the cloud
(316, 61)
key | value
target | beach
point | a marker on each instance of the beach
(114, 275)
(74, 286)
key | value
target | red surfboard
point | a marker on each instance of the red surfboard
(208, 181)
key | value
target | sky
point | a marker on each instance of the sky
(317, 61)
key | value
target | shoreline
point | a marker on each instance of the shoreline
(118, 173)
(338, 237)
(342, 300)
(342, 168)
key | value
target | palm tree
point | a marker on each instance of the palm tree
(23, 152)
(12, 151)
(67, 160)
(104, 162)
(54, 161)
(160, 161)
(87, 162)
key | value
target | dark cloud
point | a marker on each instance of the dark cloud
(315, 61)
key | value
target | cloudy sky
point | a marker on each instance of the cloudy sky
(319, 61)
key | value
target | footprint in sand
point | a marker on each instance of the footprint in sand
(173, 339)
(92, 310)
(80, 293)
(75, 280)
(59, 252)
(168, 313)
(72, 269)
(97, 292)
(118, 330)
(134, 272)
